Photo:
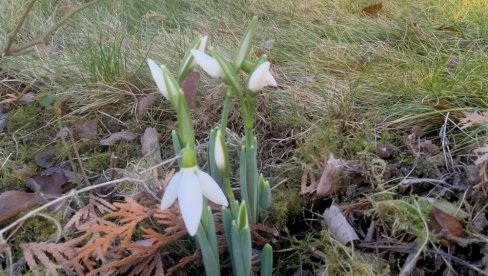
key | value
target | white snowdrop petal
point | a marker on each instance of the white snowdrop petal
(171, 192)
(203, 44)
(259, 76)
(211, 189)
(190, 201)
(157, 75)
(208, 64)
(270, 80)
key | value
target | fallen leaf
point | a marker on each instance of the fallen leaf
(373, 9)
(46, 49)
(49, 182)
(386, 152)
(303, 79)
(440, 220)
(14, 202)
(338, 226)
(3, 121)
(117, 137)
(45, 99)
(150, 146)
(86, 129)
(426, 146)
(447, 207)
(472, 118)
(146, 102)
(190, 88)
(26, 98)
(328, 183)
(63, 133)
(44, 159)
(482, 153)
(306, 188)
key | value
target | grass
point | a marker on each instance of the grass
(347, 80)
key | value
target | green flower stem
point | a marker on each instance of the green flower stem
(228, 188)
(249, 122)
(225, 111)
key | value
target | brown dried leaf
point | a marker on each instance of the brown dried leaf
(14, 202)
(46, 49)
(474, 118)
(440, 220)
(338, 226)
(44, 159)
(190, 88)
(49, 181)
(145, 103)
(373, 9)
(328, 183)
(86, 129)
(117, 137)
(482, 153)
(150, 146)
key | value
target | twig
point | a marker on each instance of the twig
(12, 35)
(73, 193)
(23, 49)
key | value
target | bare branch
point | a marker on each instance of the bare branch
(23, 49)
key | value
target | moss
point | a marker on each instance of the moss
(36, 229)
(403, 216)
(286, 203)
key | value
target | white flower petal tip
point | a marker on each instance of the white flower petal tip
(190, 200)
(270, 80)
(189, 185)
(261, 77)
(211, 189)
(157, 75)
(171, 192)
(203, 44)
(208, 64)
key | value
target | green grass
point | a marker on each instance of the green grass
(347, 80)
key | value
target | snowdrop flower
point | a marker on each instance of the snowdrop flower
(201, 48)
(157, 75)
(261, 77)
(208, 64)
(188, 185)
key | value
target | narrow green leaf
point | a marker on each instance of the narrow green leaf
(267, 260)
(187, 62)
(237, 260)
(210, 259)
(230, 74)
(245, 44)
(243, 174)
(264, 193)
(243, 217)
(246, 249)
(185, 123)
(176, 145)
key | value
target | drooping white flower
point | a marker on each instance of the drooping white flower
(158, 77)
(208, 64)
(189, 185)
(201, 48)
(261, 77)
